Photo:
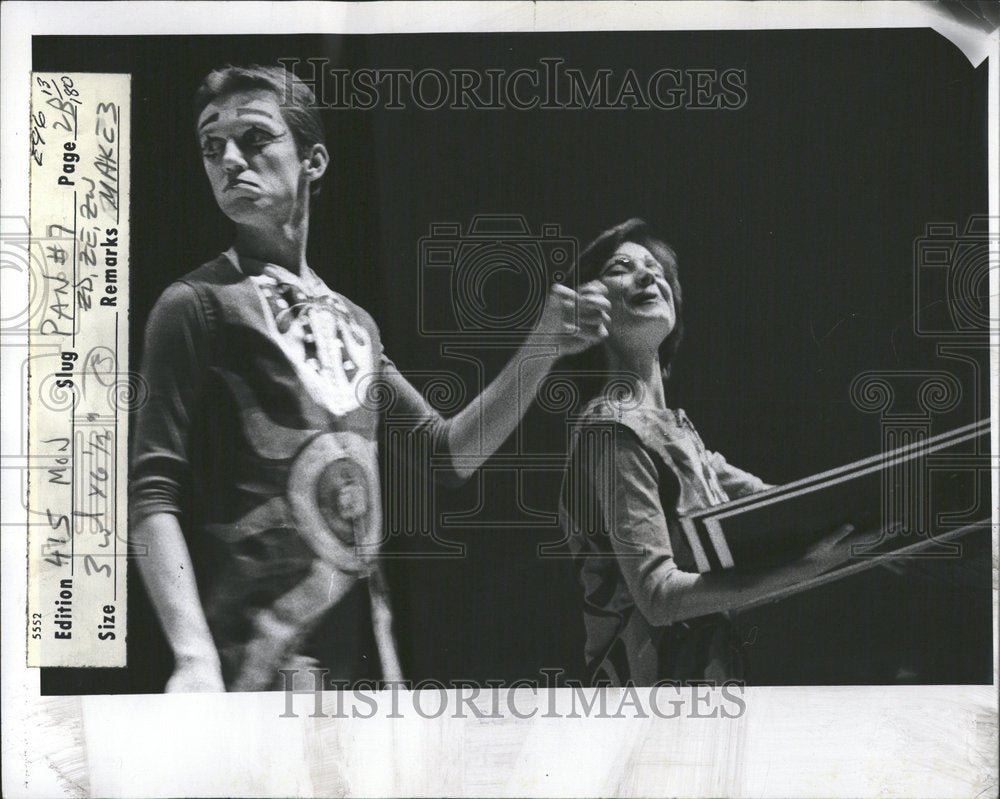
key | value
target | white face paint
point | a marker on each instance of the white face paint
(642, 303)
(251, 159)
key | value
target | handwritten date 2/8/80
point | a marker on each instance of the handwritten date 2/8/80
(62, 96)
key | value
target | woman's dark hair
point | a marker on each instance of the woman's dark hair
(297, 102)
(594, 256)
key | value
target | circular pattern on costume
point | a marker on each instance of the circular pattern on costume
(333, 495)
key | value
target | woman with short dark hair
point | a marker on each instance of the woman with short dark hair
(635, 467)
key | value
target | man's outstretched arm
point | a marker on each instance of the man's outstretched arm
(571, 322)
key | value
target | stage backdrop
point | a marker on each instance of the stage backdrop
(794, 216)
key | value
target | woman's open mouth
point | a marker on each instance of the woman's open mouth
(644, 298)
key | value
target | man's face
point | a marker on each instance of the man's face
(251, 159)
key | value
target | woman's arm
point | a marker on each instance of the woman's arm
(634, 519)
(736, 482)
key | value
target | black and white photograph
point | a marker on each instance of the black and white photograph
(599, 403)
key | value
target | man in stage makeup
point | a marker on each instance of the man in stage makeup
(254, 472)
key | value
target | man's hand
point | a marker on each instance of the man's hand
(196, 675)
(576, 319)
(169, 578)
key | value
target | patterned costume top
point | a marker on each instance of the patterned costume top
(630, 474)
(260, 435)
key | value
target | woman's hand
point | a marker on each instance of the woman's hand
(196, 675)
(831, 550)
(576, 319)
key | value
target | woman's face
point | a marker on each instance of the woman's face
(642, 304)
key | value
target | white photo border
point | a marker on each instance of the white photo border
(820, 741)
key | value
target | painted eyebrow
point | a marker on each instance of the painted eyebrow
(240, 112)
(208, 120)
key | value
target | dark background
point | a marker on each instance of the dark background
(794, 219)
